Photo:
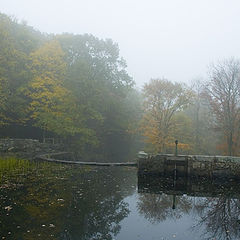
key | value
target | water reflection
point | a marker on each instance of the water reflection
(220, 216)
(51, 201)
(215, 204)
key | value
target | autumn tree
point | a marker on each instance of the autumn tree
(50, 103)
(163, 99)
(182, 131)
(223, 92)
(73, 86)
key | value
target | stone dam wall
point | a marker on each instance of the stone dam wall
(190, 166)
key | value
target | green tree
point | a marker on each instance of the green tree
(75, 86)
(16, 41)
(97, 77)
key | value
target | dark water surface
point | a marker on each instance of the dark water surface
(53, 201)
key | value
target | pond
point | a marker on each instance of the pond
(40, 200)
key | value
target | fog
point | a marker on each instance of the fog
(175, 39)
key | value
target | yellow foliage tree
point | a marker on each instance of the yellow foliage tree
(50, 101)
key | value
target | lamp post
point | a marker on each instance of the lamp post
(176, 150)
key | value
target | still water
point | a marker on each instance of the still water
(63, 202)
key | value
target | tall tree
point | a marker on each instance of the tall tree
(3, 101)
(223, 92)
(50, 102)
(162, 100)
(203, 136)
(11, 69)
(71, 85)
(16, 41)
(97, 77)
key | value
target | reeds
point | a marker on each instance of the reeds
(11, 166)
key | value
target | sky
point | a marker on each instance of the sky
(174, 39)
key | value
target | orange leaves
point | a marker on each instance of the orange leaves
(181, 146)
(163, 99)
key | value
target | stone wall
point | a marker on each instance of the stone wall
(27, 148)
(193, 166)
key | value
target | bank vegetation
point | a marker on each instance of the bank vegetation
(76, 89)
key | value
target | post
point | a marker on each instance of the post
(176, 150)
(174, 202)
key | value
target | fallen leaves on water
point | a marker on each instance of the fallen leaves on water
(8, 208)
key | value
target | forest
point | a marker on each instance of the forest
(76, 89)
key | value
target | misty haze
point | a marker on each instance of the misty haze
(119, 120)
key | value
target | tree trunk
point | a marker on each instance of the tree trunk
(230, 144)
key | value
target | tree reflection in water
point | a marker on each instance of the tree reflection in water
(159, 207)
(215, 205)
(52, 201)
(220, 216)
